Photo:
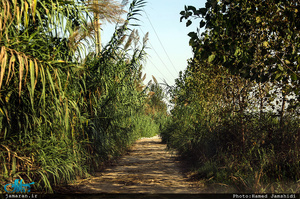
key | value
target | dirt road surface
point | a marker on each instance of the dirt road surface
(147, 168)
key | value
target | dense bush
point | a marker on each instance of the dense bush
(218, 153)
(236, 106)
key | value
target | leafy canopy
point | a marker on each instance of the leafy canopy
(258, 40)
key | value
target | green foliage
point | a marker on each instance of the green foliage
(63, 114)
(268, 52)
(219, 155)
(235, 115)
(145, 126)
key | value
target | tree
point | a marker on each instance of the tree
(156, 95)
(257, 40)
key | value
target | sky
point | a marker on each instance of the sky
(168, 42)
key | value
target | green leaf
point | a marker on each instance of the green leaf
(182, 18)
(208, 4)
(191, 42)
(32, 78)
(203, 11)
(191, 8)
(188, 23)
(188, 14)
(193, 35)
(294, 77)
(237, 52)
(258, 19)
(277, 76)
(211, 58)
(51, 81)
(202, 24)
(265, 44)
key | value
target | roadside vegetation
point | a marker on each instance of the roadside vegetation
(236, 106)
(67, 105)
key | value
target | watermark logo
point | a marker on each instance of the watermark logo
(18, 187)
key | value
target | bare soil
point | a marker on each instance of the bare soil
(147, 168)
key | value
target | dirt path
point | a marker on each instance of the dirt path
(147, 168)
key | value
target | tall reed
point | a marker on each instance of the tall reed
(63, 114)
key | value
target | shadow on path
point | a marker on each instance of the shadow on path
(147, 168)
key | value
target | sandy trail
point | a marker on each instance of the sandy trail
(147, 168)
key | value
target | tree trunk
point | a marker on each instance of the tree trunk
(99, 37)
(282, 110)
(97, 34)
(281, 116)
(261, 101)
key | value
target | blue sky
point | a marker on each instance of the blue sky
(165, 18)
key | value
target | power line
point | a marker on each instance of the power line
(159, 57)
(151, 61)
(157, 69)
(159, 40)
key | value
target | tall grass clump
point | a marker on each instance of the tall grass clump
(64, 109)
(40, 119)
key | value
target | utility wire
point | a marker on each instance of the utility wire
(150, 60)
(159, 57)
(157, 69)
(159, 40)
